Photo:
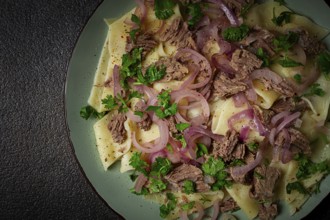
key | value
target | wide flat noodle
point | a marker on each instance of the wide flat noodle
(241, 194)
(261, 15)
(205, 199)
(110, 151)
(266, 98)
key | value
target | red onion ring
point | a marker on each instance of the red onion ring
(158, 144)
(216, 209)
(279, 117)
(271, 136)
(140, 181)
(200, 211)
(266, 73)
(155, 155)
(228, 12)
(198, 129)
(245, 114)
(130, 114)
(244, 133)
(287, 120)
(192, 76)
(241, 170)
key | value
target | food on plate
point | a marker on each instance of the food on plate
(220, 104)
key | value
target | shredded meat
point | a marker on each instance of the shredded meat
(244, 62)
(245, 179)
(267, 212)
(259, 38)
(264, 182)
(146, 123)
(282, 87)
(228, 205)
(289, 104)
(178, 34)
(225, 87)
(174, 69)
(145, 40)
(117, 129)
(229, 149)
(187, 172)
(299, 142)
(310, 44)
(264, 115)
(171, 125)
(236, 5)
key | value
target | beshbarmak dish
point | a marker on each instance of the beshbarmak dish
(214, 103)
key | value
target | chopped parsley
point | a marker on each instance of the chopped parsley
(131, 66)
(156, 185)
(161, 167)
(112, 103)
(298, 186)
(166, 209)
(204, 199)
(213, 166)
(144, 191)
(188, 206)
(201, 150)
(109, 102)
(133, 32)
(284, 17)
(88, 111)
(297, 77)
(285, 42)
(151, 75)
(166, 108)
(138, 113)
(307, 167)
(138, 163)
(288, 62)
(253, 146)
(237, 162)
(263, 56)
(189, 187)
(182, 126)
(323, 62)
(182, 140)
(133, 176)
(164, 9)
(315, 90)
(234, 34)
(194, 13)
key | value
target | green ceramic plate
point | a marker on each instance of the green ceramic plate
(112, 186)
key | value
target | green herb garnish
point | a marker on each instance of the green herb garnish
(166, 209)
(298, 186)
(288, 62)
(315, 90)
(201, 150)
(297, 77)
(161, 167)
(285, 42)
(188, 206)
(323, 62)
(88, 112)
(138, 163)
(234, 34)
(285, 17)
(189, 187)
(263, 56)
(182, 126)
(164, 9)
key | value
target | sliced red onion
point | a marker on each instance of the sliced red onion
(287, 156)
(136, 118)
(221, 62)
(228, 12)
(200, 160)
(197, 58)
(251, 93)
(143, 9)
(271, 136)
(205, 140)
(185, 93)
(140, 181)
(192, 76)
(262, 130)
(200, 211)
(239, 99)
(157, 145)
(279, 117)
(198, 129)
(244, 133)
(245, 114)
(266, 73)
(287, 120)
(242, 170)
(216, 209)
(184, 215)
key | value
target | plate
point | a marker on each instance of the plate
(112, 186)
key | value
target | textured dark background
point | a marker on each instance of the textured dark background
(39, 176)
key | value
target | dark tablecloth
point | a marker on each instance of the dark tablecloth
(39, 176)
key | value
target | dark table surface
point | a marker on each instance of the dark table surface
(39, 176)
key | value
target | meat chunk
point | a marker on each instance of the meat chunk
(246, 178)
(146, 122)
(299, 142)
(244, 62)
(310, 44)
(171, 125)
(264, 182)
(178, 34)
(229, 148)
(145, 40)
(267, 212)
(117, 128)
(187, 172)
(236, 5)
(289, 104)
(224, 87)
(174, 69)
(228, 205)
(264, 115)
(283, 87)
